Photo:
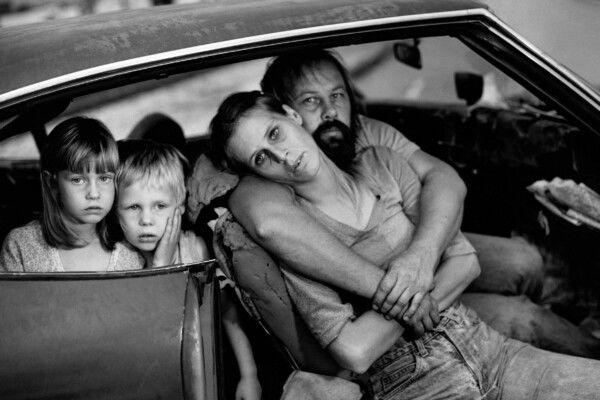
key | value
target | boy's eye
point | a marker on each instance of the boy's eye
(260, 158)
(274, 134)
(161, 206)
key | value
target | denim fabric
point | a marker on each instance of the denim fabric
(509, 266)
(438, 365)
(463, 358)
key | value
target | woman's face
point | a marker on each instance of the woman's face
(275, 146)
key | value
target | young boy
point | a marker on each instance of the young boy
(150, 196)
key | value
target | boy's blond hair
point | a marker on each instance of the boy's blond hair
(152, 163)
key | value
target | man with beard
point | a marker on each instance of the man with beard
(317, 86)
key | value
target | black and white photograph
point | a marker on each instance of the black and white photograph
(300, 199)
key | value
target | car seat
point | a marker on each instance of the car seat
(262, 291)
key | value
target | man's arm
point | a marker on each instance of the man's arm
(365, 339)
(441, 200)
(271, 215)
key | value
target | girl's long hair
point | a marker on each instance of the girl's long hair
(78, 144)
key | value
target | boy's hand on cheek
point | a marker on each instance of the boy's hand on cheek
(165, 250)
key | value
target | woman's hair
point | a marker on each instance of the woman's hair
(78, 144)
(152, 163)
(225, 122)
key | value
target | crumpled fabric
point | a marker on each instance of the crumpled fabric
(206, 183)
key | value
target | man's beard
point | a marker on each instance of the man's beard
(339, 144)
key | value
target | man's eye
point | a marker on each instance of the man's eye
(260, 158)
(274, 134)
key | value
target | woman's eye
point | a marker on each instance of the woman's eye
(77, 180)
(260, 158)
(274, 134)
(336, 96)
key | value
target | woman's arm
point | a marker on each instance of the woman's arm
(277, 223)
(364, 340)
(367, 338)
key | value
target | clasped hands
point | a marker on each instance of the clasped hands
(404, 293)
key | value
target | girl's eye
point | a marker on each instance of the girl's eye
(106, 178)
(161, 206)
(77, 180)
(260, 158)
(274, 134)
(133, 207)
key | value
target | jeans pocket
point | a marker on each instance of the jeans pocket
(397, 375)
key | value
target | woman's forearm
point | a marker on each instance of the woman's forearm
(364, 340)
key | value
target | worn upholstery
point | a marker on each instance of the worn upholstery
(262, 290)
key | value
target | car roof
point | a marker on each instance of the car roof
(40, 52)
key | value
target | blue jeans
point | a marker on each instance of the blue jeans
(505, 295)
(463, 358)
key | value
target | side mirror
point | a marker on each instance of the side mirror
(407, 52)
(469, 86)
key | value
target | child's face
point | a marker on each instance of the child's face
(86, 197)
(143, 210)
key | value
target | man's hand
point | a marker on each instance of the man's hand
(424, 317)
(408, 275)
(165, 250)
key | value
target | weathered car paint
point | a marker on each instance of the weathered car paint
(40, 52)
(89, 335)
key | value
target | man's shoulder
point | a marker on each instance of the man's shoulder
(372, 132)
(377, 157)
(370, 125)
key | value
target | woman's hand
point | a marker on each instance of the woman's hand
(167, 245)
(248, 388)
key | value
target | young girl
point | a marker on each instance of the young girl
(78, 165)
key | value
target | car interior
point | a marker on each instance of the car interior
(457, 106)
